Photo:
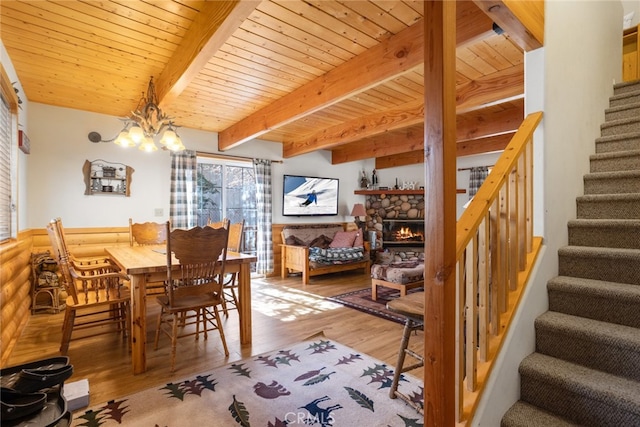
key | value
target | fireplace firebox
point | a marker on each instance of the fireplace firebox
(402, 232)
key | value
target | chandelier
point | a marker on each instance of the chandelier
(144, 124)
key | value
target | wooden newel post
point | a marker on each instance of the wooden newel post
(440, 214)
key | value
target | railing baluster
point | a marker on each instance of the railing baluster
(513, 230)
(460, 274)
(529, 189)
(522, 212)
(471, 314)
(495, 278)
(483, 289)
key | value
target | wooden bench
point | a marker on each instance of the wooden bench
(295, 258)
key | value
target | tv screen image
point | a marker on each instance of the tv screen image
(308, 195)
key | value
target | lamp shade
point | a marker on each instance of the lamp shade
(358, 210)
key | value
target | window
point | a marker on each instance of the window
(6, 181)
(227, 190)
(8, 157)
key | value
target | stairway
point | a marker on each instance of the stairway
(586, 368)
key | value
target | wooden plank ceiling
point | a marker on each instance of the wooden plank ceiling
(344, 76)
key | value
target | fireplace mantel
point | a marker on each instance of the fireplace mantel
(408, 192)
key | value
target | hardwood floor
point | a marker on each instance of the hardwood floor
(284, 312)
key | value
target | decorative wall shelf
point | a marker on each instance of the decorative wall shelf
(102, 177)
(408, 192)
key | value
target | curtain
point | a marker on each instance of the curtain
(264, 244)
(476, 177)
(182, 204)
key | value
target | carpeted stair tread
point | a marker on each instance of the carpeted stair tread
(615, 161)
(623, 111)
(579, 393)
(618, 142)
(604, 346)
(600, 197)
(615, 233)
(595, 299)
(609, 264)
(629, 97)
(611, 127)
(613, 206)
(623, 107)
(616, 182)
(626, 87)
(522, 414)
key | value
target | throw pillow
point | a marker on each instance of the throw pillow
(294, 241)
(321, 241)
(343, 239)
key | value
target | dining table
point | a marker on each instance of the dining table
(148, 264)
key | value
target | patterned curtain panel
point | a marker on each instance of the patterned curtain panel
(264, 244)
(476, 178)
(182, 205)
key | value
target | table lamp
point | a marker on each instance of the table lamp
(358, 211)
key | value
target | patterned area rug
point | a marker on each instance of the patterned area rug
(361, 300)
(317, 382)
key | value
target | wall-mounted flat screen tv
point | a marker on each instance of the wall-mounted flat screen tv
(308, 195)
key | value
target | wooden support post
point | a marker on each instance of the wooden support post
(440, 218)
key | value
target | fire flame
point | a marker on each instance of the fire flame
(405, 233)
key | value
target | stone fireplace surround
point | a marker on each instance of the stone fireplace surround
(380, 207)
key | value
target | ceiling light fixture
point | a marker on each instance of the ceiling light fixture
(144, 124)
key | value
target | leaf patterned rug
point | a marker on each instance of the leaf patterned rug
(316, 382)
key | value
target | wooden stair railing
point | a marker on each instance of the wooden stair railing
(495, 251)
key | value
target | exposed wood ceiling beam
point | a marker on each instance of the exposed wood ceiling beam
(213, 25)
(472, 24)
(476, 125)
(463, 148)
(488, 144)
(490, 121)
(523, 21)
(385, 144)
(494, 88)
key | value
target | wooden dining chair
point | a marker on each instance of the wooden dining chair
(147, 234)
(224, 223)
(194, 285)
(97, 298)
(236, 237)
(75, 260)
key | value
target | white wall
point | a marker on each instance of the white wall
(580, 63)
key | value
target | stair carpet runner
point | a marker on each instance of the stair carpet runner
(586, 368)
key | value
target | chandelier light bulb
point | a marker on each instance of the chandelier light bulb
(148, 145)
(178, 146)
(169, 138)
(136, 134)
(123, 140)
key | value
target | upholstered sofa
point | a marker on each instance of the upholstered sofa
(314, 249)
